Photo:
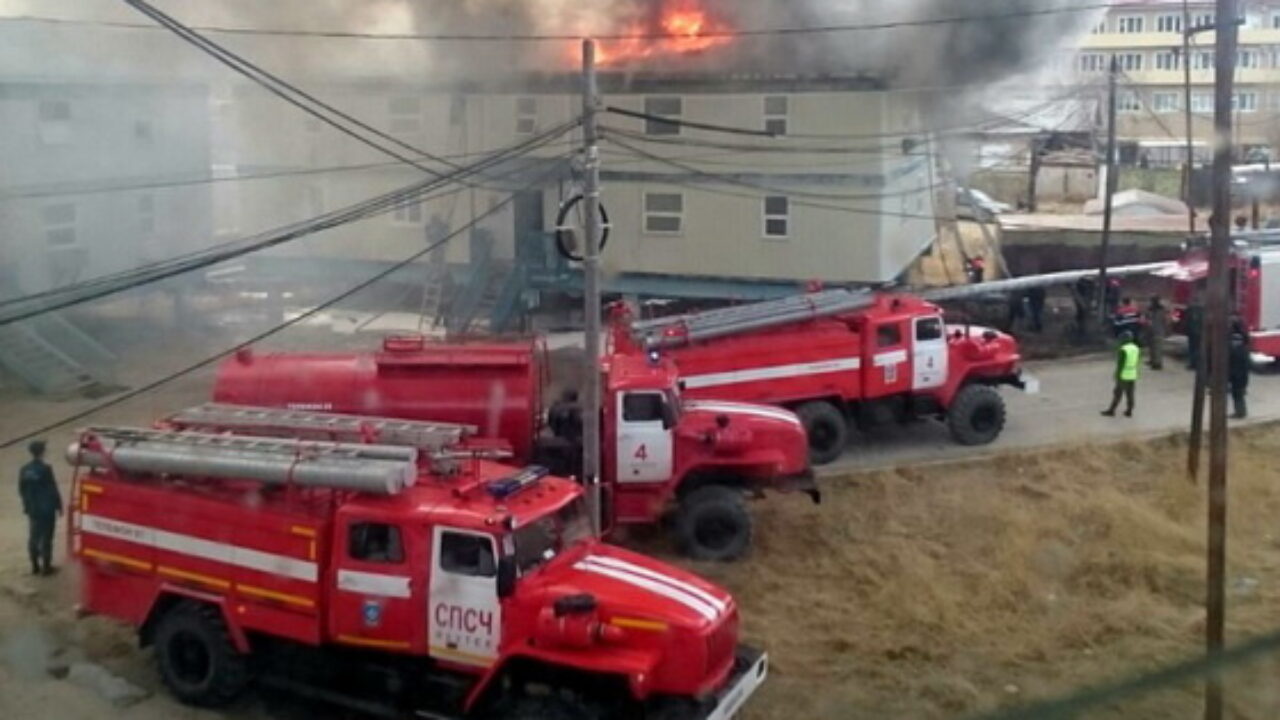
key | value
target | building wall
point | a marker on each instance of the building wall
(852, 216)
(1147, 39)
(63, 140)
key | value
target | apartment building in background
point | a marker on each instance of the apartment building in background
(1145, 36)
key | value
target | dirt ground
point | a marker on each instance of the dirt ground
(928, 592)
(957, 589)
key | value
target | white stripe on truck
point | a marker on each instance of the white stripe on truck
(199, 547)
(772, 372)
(693, 602)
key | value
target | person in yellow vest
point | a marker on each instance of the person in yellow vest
(1128, 357)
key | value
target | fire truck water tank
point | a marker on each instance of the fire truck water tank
(495, 386)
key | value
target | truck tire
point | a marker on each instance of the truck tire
(197, 660)
(827, 430)
(712, 523)
(976, 415)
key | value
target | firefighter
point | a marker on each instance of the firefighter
(1157, 329)
(1127, 360)
(1082, 295)
(1238, 368)
(1126, 318)
(565, 417)
(1195, 333)
(977, 268)
(42, 504)
(1035, 303)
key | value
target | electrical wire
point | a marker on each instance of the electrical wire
(793, 192)
(292, 94)
(239, 177)
(309, 313)
(561, 37)
(32, 305)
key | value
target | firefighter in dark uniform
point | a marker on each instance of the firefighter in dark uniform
(42, 504)
(1238, 368)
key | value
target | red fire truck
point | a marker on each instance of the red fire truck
(837, 358)
(660, 451)
(388, 568)
(1254, 286)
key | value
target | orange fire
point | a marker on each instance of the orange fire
(684, 29)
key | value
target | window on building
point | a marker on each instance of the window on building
(1130, 24)
(1165, 102)
(1203, 61)
(776, 109)
(1275, 21)
(1203, 20)
(143, 131)
(1245, 102)
(406, 114)
(1168, 61)
(1249, 59)
(1169, 23)
(59, 224)
(1093, 63)
(526, 115)
(55, 121)
(1128, 102)
(1100, 28)
(1202, 102)
(663, 213)
(671, 107)
(1130, 62)
(464, 554)
(147, 213)
(777, 216)
(408, 215)
(375, 543)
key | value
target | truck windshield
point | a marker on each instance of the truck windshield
(548, 536)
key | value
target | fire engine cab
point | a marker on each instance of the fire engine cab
(1254, 286)
(837, 358)
(389, 566)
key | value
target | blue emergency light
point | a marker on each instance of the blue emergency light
(510, 485)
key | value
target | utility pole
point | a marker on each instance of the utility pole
(592, 406)
(1186, 101)
(1216, 325)
(1112, 182)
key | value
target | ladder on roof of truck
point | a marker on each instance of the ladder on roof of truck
(429, 436)
(381, 469)
(682, 329)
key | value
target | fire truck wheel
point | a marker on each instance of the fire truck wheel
(712, 523)
(976, 415)
(827, 430)
(197, 661)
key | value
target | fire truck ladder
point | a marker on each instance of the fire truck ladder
(378, 469)
(684, 329)
(432, 437)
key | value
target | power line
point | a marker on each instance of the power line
(559, 37)
(290, 93)
(215, 179)
(211, 359)
(31, 305)
(722, 178)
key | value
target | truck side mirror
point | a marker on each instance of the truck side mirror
(506, 576)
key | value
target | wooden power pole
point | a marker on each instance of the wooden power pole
(591, 395)
(1216, 325)
(1113, 181)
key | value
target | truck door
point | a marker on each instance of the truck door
(464, 615)
(645, 452)
(889, 357)
(929, 354)
(373, 601)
